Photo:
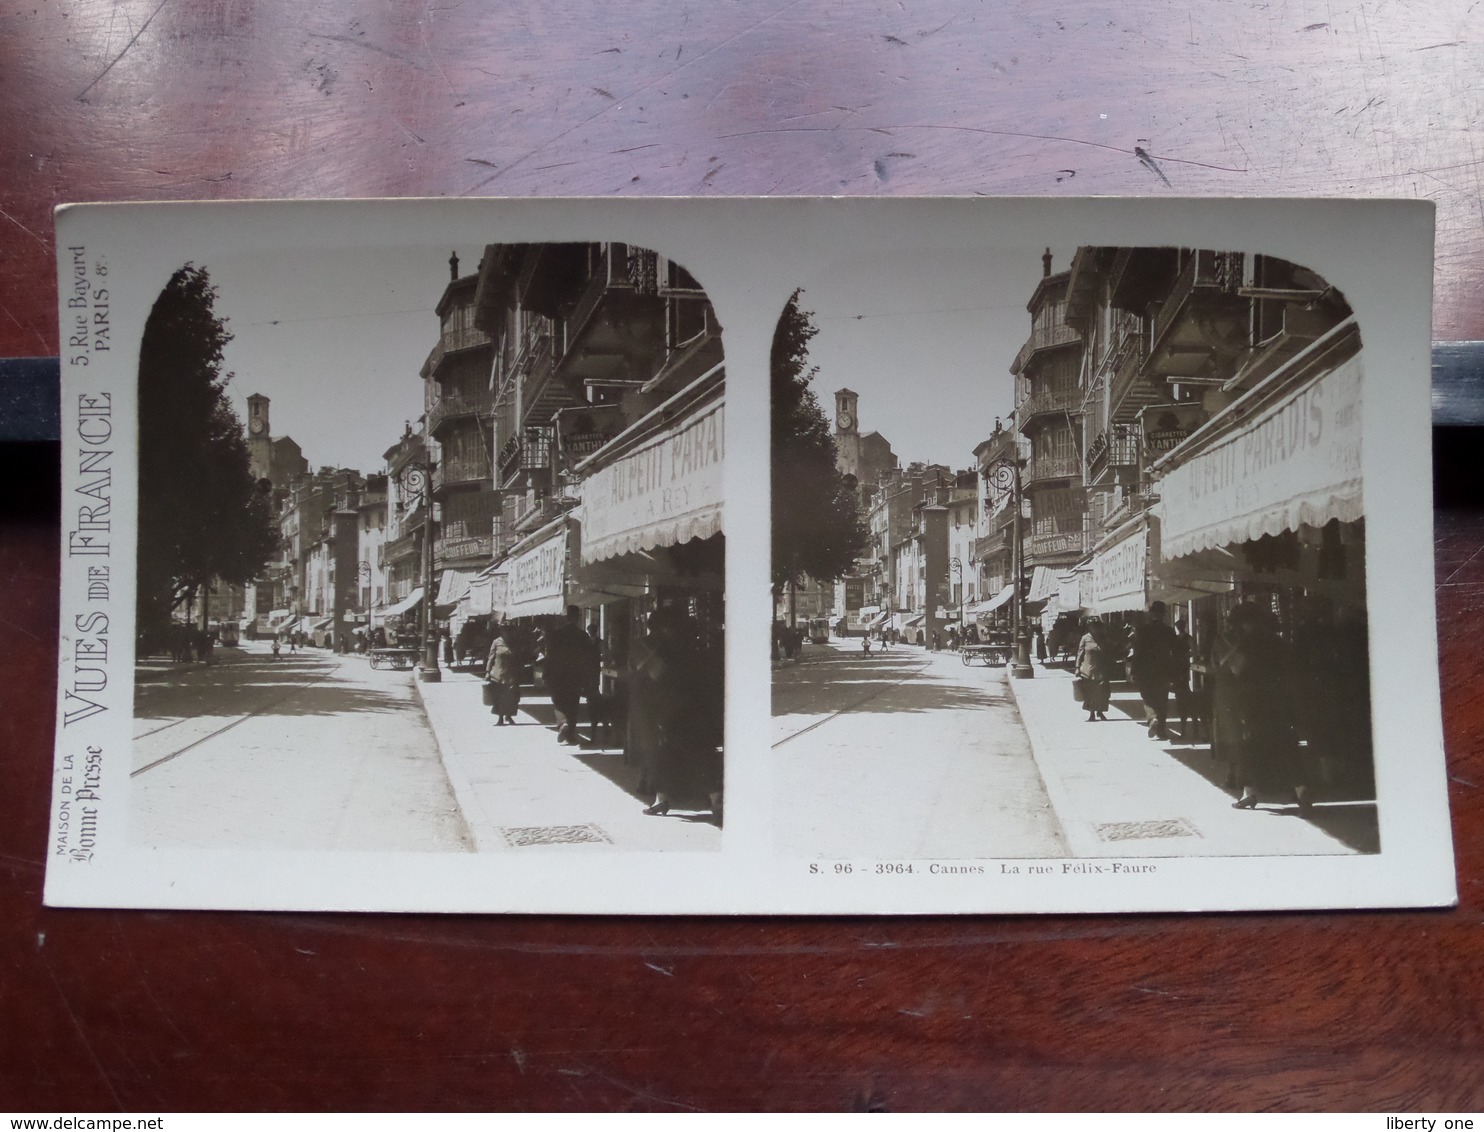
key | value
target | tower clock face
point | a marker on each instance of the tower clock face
(844, 420)
(256, 424)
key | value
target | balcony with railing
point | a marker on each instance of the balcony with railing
(1129, 390)
(1052, 468)
(453, 338)
(528, 451)
(990, 545)
(402, 546)
(607, 273)
(455, 471)
(1044, 338)
(1207, 275)
(1111, 452)
(479, 404)
(1067, 399)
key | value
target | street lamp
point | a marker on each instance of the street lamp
(1006, 476)
(956, 570)
(415, 481)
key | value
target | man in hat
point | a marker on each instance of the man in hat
(1151, 667)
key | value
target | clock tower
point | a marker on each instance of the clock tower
(259, 437)
(847, 433)
(846, 420)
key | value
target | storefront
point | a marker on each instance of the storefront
(1263, 507)
(650, 538)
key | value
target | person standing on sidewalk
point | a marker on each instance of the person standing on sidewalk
(1254, 675)
(1151, 668)
(1092, 669)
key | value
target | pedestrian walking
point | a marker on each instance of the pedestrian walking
(502, 676)
(276, 648)
(1151, 667)
(565, 669)
(1092, 669)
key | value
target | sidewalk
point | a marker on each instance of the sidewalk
(1119, 793)
(519, 789)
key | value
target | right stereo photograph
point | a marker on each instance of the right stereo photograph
(1068, 559)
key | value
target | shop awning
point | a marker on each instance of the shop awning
(1044, 584)
(1120, 571)
(453, 587)
(915, 619)
(659, 482)
(323, 623)
(1287, 453)
(407, 603)
(879, 620)
(538, 572)
(489, 591)
(1071, 592)
(974, 609)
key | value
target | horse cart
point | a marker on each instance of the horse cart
(989, 655)
(393, 658)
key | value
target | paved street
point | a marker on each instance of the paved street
(309, 752)
(521, 791)
(906, 754)
(910, 754)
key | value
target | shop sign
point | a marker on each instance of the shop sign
(1297, 463)
(667, 492)
(1166, 427)
(855, 593)
(538, 577)
(1118, 574)
(581, 432)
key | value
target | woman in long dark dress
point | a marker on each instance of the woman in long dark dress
(1255, 703)
(1092, 670)
(673, 721)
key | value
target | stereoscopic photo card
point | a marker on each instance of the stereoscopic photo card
(747, 556)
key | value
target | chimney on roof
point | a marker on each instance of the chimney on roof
(1046, 263)
(453, 266)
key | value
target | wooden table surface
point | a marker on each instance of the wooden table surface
(150, 99)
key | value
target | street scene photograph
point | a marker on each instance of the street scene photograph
(431, 553)
(1069, 559)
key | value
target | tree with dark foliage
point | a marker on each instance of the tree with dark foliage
(816, 528)
(201, 516)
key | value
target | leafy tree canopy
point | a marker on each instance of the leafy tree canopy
(816, 528)
(201, 516)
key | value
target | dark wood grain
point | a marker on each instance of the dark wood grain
(232, 99)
